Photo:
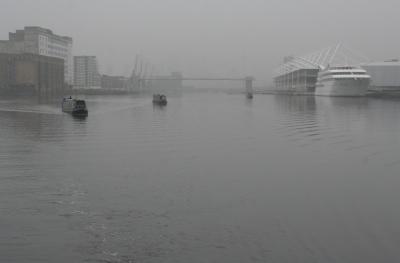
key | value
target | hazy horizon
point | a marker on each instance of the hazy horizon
(210, 38)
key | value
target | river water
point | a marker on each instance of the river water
(211, 177)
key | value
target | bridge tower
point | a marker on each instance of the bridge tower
(249, 86)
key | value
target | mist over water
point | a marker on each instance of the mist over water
(211, 177)
(207, 38)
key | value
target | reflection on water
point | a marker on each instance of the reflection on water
(209, 177)
(300, 116)
(295, 104)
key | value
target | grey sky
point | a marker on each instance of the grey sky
(210, 37)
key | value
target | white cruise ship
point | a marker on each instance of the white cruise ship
(342, 81)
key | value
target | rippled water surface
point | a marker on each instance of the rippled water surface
(211, 177)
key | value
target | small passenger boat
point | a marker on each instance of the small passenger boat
(159, 99)
(75, 107)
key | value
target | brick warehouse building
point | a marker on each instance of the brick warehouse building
(31, 74)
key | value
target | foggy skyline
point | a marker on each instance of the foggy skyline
(210, 37)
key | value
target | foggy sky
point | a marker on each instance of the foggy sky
(210, 37)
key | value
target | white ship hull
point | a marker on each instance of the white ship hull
(342, 87)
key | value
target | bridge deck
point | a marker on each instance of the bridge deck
(227, 79)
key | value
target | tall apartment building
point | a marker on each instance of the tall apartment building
(86, 74)
(41, 41)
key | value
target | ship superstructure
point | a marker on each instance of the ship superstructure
(342, 81)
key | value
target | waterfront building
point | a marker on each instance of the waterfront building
(167, 83)
(86, 74)
(41, 41)
(300, 80)
(114, 82)
(299, 74)
(31, 74)
(296, 76)
(385, 75)
(11, 47)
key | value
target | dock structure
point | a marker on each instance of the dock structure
(298, 74)
(299, 80)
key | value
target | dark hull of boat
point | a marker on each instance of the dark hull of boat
(81, 113)
(161, 102)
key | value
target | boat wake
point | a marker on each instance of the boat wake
(30, 111)
(128, 107)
